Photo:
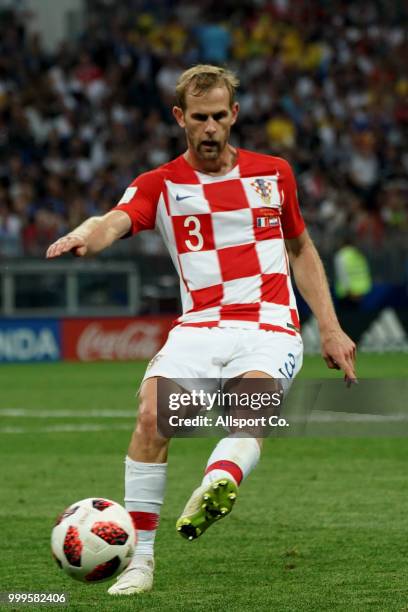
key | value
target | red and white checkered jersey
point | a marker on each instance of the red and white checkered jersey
(225, 235)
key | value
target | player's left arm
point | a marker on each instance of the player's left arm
(338, 349)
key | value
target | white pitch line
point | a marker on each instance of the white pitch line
(85, 427)
(316, 416)
(321, 416)
(62, 414)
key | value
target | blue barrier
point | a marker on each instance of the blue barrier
(28, 340)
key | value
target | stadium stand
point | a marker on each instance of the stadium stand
(323, 84)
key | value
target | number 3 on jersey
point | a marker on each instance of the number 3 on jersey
(195, 241)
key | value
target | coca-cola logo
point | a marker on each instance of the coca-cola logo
(138, 340)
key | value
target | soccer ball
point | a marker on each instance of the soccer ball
(93, 540)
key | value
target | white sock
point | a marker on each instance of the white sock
(144, 493)
(234, 458)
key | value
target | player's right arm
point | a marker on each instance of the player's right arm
(92, 236)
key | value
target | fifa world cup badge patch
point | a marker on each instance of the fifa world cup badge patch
(268, 190)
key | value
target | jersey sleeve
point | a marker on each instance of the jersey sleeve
(140, 201)
(292, 221)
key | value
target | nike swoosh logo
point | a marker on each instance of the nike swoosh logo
(179, 198)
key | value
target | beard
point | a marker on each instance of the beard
(209, 149)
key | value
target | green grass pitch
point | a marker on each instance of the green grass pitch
(321, 524)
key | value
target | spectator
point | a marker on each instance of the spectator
(352, 275)
(45, 226)
(10, 230)
(323, 84)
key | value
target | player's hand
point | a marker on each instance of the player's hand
(67, 244)
(339, 353)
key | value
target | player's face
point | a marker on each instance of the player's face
(207, 121)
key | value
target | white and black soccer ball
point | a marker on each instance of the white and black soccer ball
(93, 540)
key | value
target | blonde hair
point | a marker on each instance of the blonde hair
(203, 77)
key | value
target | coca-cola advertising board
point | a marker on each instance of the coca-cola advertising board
(113, 339)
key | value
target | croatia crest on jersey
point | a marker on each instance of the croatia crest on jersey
(268, 190)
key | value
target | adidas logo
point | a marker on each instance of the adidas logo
(385, 333)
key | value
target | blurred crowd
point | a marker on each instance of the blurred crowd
(323, 84)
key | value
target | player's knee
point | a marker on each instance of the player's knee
(147, 420)
(146, 424)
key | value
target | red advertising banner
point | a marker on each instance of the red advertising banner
(113, 339)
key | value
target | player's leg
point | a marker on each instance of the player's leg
(229, 464)
(145, 480)
(276, 357)
(146, 467)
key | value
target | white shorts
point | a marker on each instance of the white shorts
(225, 352)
